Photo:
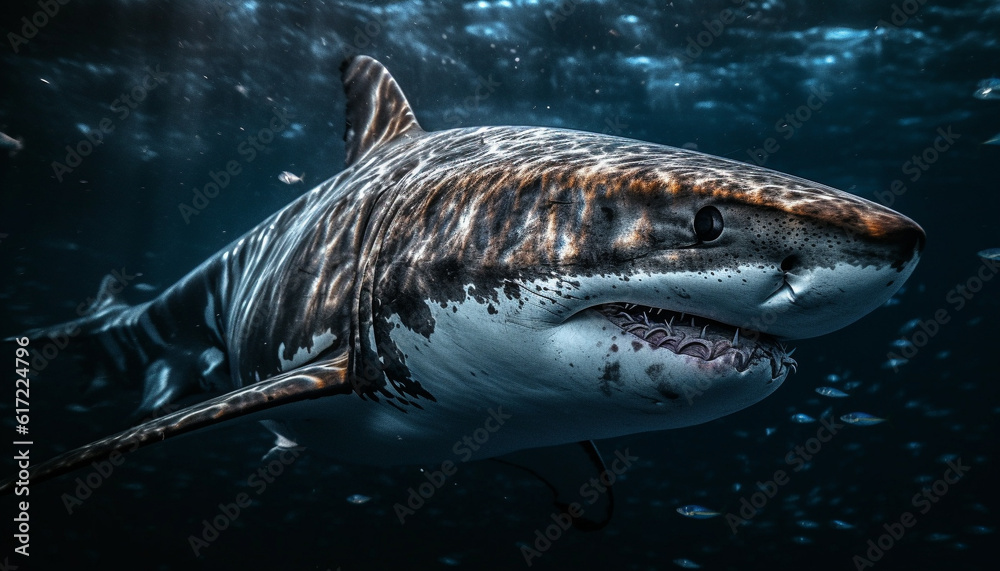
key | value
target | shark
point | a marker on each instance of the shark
(564, 286)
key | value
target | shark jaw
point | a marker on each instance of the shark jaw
(711, 341)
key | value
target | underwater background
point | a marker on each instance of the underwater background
(897, 102)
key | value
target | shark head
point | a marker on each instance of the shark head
(652, 287)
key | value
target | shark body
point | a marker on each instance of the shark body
(587, 286)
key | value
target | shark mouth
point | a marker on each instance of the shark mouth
(700, 337)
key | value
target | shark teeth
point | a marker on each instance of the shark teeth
(657, 327)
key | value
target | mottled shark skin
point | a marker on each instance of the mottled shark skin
(580, 285)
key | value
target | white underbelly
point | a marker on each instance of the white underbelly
(505, 377)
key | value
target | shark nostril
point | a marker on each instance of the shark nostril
(790, 263)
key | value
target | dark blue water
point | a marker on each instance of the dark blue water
(873, 84)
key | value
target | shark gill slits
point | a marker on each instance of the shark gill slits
(708, 224)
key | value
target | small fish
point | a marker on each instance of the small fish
(696, 512)
(686, 564)
(11, 144)
(989, 254)
(289, 178)
(909, 326)
(861, 419)
(894, 363)
(833, 378)
(988, 89)
(995, 140)
(358, 499)
(769, 431)
(837, 524)
(807, 524)
(802, 418)
(831, 392)
(901, 343)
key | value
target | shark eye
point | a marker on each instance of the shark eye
(708, 224)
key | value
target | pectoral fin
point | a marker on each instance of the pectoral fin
(573, 473)
(309, 382)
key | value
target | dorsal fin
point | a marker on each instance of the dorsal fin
(377, 110)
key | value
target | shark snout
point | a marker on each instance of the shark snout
(827, 283)
(909, 239)
(915, 236)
